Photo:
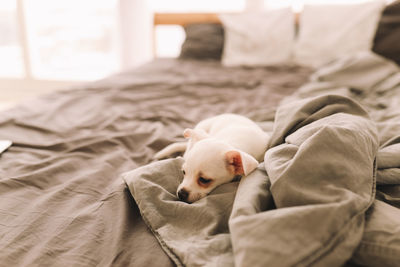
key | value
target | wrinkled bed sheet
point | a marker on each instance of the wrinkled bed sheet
(62, 200)
(327, 194)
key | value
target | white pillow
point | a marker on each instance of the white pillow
(258, 39)
(330, 31)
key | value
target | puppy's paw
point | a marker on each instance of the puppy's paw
(159, 155)
(170, 150)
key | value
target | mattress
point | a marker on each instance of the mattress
(62, 199)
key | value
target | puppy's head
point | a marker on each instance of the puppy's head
(210, 163)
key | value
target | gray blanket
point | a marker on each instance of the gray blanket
(314, 200)
(62, 202)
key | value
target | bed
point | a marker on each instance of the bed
(79, 186)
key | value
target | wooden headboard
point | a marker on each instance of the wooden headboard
(183, 19)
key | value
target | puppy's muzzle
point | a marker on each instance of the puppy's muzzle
(183, 194)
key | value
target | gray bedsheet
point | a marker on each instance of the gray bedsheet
(326, 195)
(62, 200)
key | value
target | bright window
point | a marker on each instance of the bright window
(11, 64)
(71, 39)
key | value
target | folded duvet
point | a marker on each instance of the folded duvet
(312, 202)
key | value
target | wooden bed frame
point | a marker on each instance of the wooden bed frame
(183, 19)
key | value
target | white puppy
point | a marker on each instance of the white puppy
(219, 149)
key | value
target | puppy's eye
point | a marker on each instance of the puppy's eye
(183, 171)
(203, 180)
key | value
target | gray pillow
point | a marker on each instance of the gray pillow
(203, 41)
(387, 37)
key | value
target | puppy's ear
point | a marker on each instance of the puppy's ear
(240, 163)
(195, 134)
(188, 133)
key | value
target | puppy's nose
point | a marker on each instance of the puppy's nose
(183, 194)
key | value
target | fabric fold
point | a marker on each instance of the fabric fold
(191, 234)
(321, 169)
